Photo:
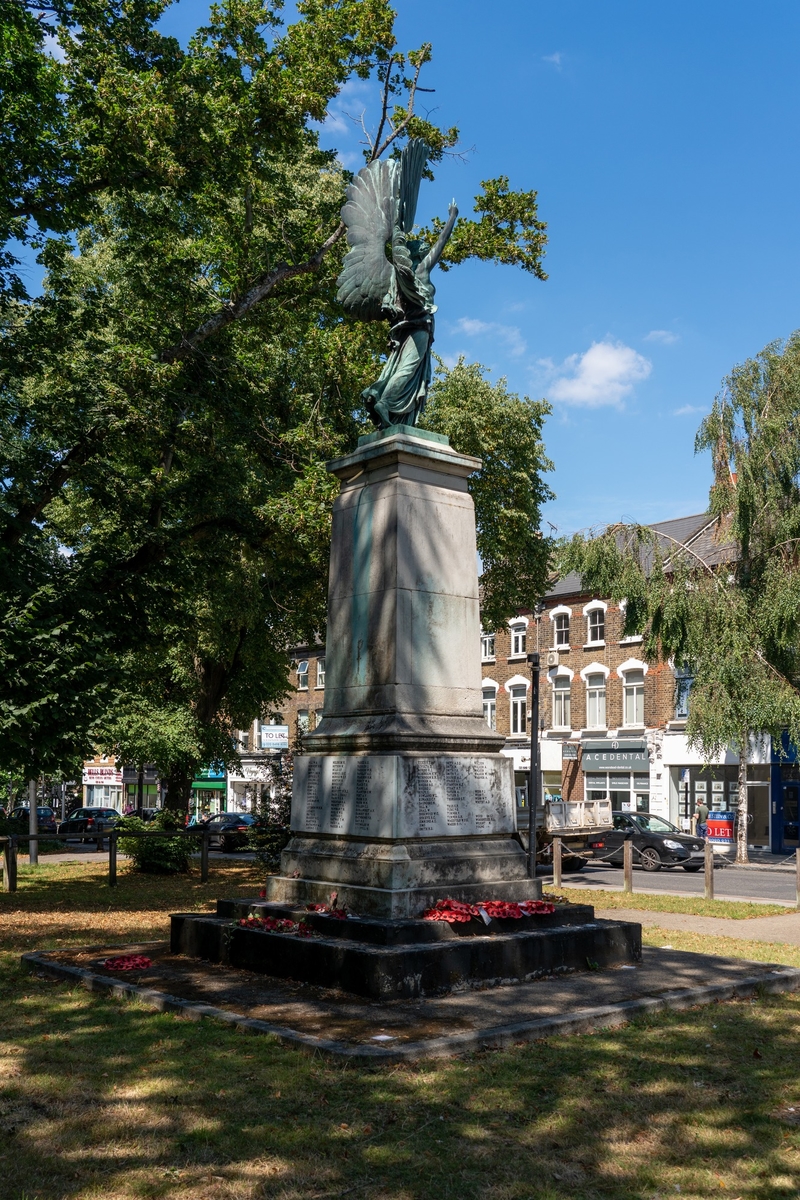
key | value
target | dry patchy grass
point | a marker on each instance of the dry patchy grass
(101, 1098)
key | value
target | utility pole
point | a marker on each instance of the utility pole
(535, 773)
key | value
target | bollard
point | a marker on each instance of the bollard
(557, 862)
(709, 870)
(627, 864)
(10, 865)
(204, 856)
(112, 858)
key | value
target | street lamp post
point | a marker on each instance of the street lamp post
(533, 777)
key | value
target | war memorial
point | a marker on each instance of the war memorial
(402, 800)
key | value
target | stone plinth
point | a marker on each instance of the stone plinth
(403, 797)
(389, 960)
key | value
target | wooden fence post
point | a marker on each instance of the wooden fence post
(709, 870)
(627, 865)
(557, 862)
(204, 856)
(10, 865)
(112, 858)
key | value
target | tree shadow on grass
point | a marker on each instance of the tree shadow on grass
(106, 1097)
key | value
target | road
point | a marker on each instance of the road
(730, 883)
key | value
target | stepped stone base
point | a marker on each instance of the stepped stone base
(401, 879)
(390, 960)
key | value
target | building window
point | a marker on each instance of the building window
(302, 720)
(683, 686)
(562, 704)
(487, 648)
(244, 739)
(302, 675)
(519, 717)
(596, 701)
(519, 640)
(320, 672)
(561, 629)
(490, 707)
(596, 624)
(633, 697)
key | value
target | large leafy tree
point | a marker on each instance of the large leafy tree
(728, 610)
(168, 402)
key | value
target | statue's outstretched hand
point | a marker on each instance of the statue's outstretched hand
(453, 209)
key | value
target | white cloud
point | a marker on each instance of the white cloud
(604, 374)
(686, 410)
(665, 336)
(555, 59)
(509, 335)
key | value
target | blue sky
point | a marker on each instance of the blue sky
(662, 140)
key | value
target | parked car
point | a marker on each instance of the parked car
(229, 831)
(47, 817)
(658, 842)
(86, 823)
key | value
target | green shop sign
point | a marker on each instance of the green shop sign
(613, 755)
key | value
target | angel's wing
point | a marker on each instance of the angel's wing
(412, 164)
(369, 214)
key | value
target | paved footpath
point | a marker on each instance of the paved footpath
(783, 929)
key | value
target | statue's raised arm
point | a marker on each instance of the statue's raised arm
(380, 211)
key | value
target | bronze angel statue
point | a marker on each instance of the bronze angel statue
(380, 210)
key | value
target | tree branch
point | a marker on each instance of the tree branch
(236, 309)
(412, 91)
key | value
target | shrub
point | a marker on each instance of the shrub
(157, 856)
(270, 833)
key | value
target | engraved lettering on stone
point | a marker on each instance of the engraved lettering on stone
(427, 798)
(313, 806)
(364, 806)
(338, 809)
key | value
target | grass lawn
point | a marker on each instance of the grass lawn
(695, 905)
(101, 1098)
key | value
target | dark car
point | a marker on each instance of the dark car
(47, 817)
(86, 823)
(657, 843)
(229, 831)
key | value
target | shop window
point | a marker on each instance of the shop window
(490, 707)
(320, 672)
(562, 703)
(596, 701)
(519, 717)
(633, 698)
(519, 640)
(302, 720)
(487, 648)
(561, 630)
(596, 625)
(302, 675)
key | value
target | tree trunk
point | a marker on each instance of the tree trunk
(744, 807)
(179, 790)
